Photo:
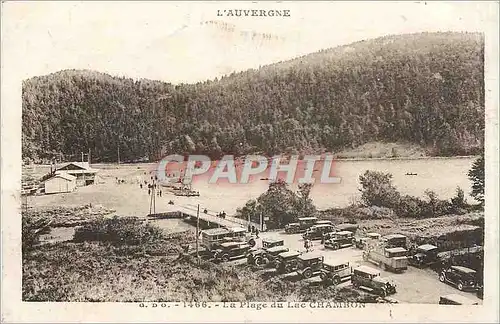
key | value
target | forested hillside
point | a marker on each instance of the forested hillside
(425, 89)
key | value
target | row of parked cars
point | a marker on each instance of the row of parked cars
(274, 254)
(386, 252)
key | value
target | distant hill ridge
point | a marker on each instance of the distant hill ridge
(425, 89)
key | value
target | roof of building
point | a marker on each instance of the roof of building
(63, 175)
(463, 269)
(426, 247)
(78, 167)
(396, 250)
(367, 269)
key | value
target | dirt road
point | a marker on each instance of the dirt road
(413, 286)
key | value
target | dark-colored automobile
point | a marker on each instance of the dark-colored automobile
(340, 240)
(231, 250)
(262, 257)
(309, 264)
(316, 232)
(480, 292)
(425, 255)
(369, 279)
(270, 242)
(461, 277)
(335, 272)
(286, 262)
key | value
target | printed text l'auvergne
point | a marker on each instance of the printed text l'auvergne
(252, 13)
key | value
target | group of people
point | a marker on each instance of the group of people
(253, 229)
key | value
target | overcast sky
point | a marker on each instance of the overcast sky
(166, 40)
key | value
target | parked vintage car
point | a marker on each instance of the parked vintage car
(316, 232)
(340, 240)
(286, 262)
(323, 222)
(369, 279)
(231, 250)
(270, 242)
(425, 255)
(335, 272)
(480, 292)
(461, 277)
(309, 264)
(212, 238)
(394, 240)
(455, 299)
(361, 242)
(302, 225)
(265, 256)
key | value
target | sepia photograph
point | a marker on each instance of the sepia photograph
(249, 156)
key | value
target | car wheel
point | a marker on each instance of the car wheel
(442, 277)
(335, 246)
(383, 293)
(336, 280)
(365, 257)
(251, 242)
(225, 258)
(258, 261)
(265, 261)
(460, 286)
(308, 273)
(322, 276)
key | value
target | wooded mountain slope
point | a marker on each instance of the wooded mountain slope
(423, 88)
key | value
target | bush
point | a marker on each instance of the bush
(121, 230)
(32, 228)
(378, 190)
(410, 206)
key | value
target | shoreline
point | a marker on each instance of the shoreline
(354, 159)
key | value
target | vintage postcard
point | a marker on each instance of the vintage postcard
(249, 161)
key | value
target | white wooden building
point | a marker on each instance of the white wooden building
(59, 183)
(85, 175)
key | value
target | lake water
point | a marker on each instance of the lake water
(440, 175)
